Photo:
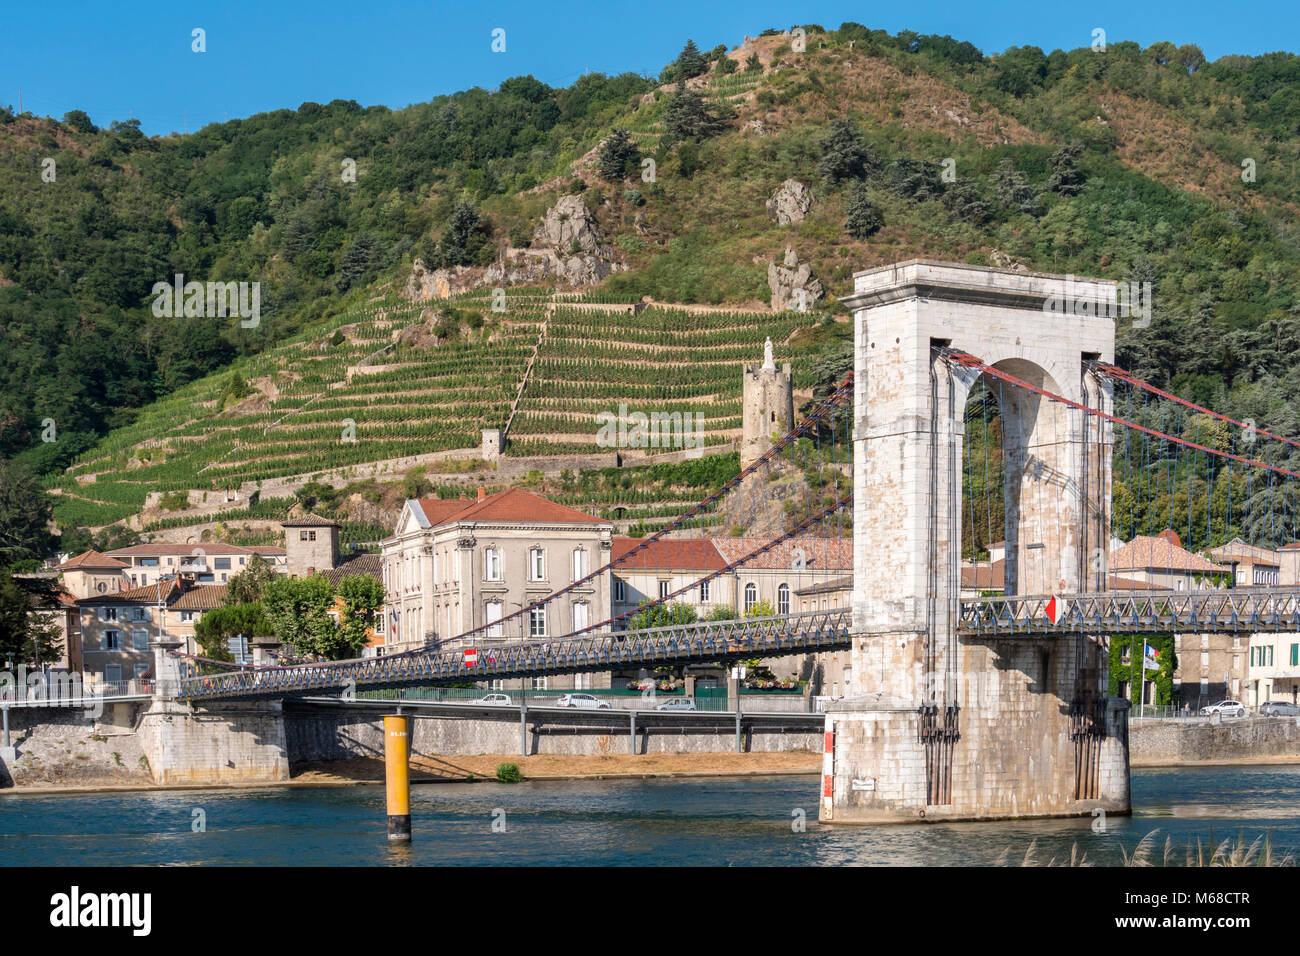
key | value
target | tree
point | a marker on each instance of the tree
(662, 615)
(248, 586)
(220, 624)
(844, 154)
(688, 116)
(80, 121)
(1012, 190)
(690, 62)
(618, 157)
(24, 516)
(1066, 178)
(1020, 70)
(297, 610)
(465, 238)
(965, 202)
(863, 219)
(28, 633)
(833, 364)
(363, 598)
(753, 64)
(761, 609)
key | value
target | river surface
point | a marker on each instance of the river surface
(701, 821)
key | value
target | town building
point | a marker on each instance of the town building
(210, 562)
(454, 566)
(1274, 669)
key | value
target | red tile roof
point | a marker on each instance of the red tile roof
(1145, 553)
(693, 554)
(357, 564)
(310, 521)
(513, 504)
(91, 560)
(818, 554)
(202, 598)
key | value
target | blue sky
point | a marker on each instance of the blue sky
(116, 60)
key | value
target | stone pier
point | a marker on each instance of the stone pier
(942, 727)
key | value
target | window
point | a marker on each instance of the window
(112, 673)
(109, 614)
(540, 683)
(148, 562)
(492, 564)
(221, 564)
(306, 535)
(536, 564)
(497, 684)
(493, 611)
(579, 564)
(663, 589)
(187, 616)
(537, 622)
(620, 590)
(706, 592)
(751, 596)
(101, 587)
(139, 639)
(580, 616)
(1270, 656)
(1205, 659)
(783, 599)
(112, 640)
(1295, 654)
(142, 670)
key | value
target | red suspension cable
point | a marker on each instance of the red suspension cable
(971, 361)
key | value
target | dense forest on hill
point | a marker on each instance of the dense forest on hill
(1132, 164)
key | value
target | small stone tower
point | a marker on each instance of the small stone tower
(768, 406)
(492, 444)
(311, 545)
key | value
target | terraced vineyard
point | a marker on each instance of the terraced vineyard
(658, 361)
(372, 385)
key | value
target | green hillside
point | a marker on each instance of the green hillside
(1129, 164)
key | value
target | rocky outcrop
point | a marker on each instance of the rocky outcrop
(567, 245)
(793, 284)
(790, 203)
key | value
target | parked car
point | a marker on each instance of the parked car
(502, 699)
(677, 703)
(1228, 708)
(1278, 708)
(583, 702)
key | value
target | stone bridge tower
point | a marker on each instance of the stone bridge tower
(768, 406)
(942, 726)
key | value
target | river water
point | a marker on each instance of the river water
(700, 821)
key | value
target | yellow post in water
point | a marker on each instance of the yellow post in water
(397, 777)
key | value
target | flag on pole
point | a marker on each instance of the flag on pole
(1150, 657)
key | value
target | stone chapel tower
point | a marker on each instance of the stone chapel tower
(768, 403)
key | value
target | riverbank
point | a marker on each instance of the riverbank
(482, 768)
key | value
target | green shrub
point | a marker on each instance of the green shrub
(509, 773)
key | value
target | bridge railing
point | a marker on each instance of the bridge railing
(1245, 609)
(491, 658)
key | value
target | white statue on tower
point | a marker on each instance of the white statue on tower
(769, 364)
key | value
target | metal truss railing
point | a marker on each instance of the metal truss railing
(1238, 610)
(775, 636)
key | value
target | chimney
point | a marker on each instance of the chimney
(482, 492)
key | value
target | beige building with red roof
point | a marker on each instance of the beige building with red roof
(454, 566)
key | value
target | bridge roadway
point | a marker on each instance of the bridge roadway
(1235, 610)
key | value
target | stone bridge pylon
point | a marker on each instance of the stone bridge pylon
(942, 727)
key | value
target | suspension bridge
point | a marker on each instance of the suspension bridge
(983, 404)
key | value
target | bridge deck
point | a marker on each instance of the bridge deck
(1240, 610)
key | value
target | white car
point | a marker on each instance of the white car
(1228, 708)
(502, 699)
(677, 703)
(582, 702)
